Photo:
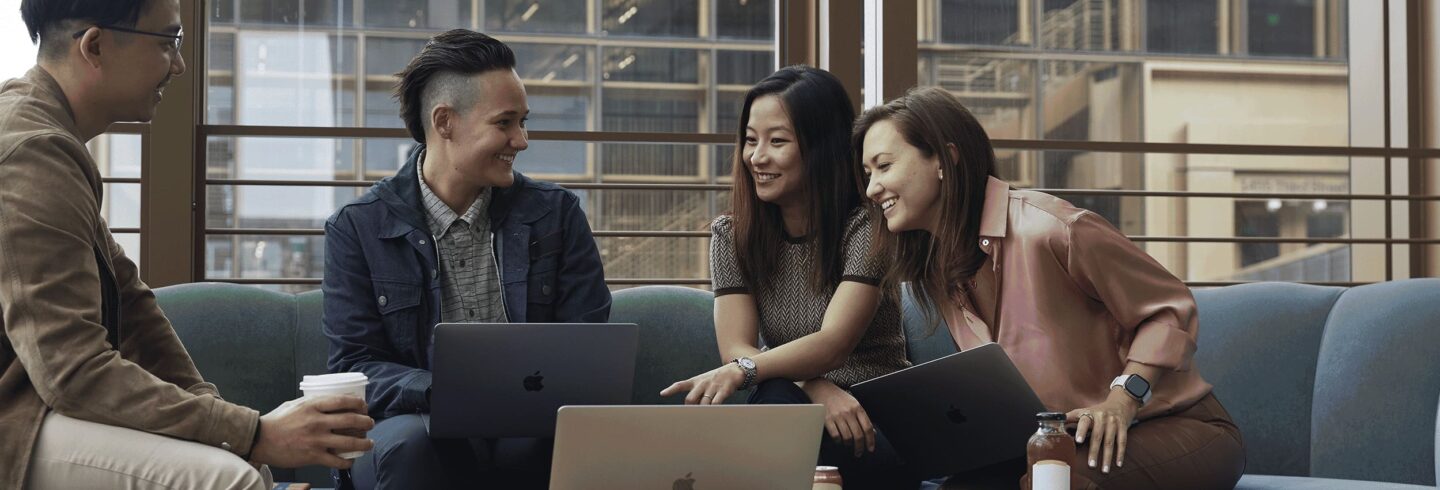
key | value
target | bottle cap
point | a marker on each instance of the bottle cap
(1044, 416)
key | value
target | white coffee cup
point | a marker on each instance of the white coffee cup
(353, 384)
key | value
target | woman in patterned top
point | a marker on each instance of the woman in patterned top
(792, 266)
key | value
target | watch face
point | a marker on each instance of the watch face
(1137, 386)
(747, 363)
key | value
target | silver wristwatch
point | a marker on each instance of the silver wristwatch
(747, 366)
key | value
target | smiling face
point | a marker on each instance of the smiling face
(772, 153)
(140, 66)
(483, 142)
(901, 179)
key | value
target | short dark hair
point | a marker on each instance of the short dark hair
(48, 19)
(458, 52)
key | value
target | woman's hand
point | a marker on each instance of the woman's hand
(845, 419)
(709, 388)
(1107, 425)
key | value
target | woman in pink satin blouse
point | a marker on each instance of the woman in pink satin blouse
(1098, 328)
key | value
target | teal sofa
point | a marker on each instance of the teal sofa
(1332, 387)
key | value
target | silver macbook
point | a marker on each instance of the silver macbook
(960, 412)
(687, 447)
(508, 379)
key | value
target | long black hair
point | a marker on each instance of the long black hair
(822, 115)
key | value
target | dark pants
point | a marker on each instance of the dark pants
(880, 469)
(406, 457)
(1198, 448)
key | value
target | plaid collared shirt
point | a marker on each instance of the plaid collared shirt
(469, 281)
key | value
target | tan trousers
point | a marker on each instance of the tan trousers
(1198, 448)
(75, 454)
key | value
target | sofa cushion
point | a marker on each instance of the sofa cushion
(1376, 388)
(1258, 345)
(1268, 482)
(239, 337)
(312, 348)
(677, 337)
(242, 340)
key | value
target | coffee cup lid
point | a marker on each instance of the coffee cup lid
(317, 380)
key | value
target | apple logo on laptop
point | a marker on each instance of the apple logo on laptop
(955, 415)
(534, 382)
(686, 483)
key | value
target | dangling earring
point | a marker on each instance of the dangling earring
(942, 174)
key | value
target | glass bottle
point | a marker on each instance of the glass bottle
(1050, 453)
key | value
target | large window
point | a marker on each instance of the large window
(594, 67)
(1258, 72)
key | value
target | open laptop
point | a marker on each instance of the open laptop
(956, 413)
(687, 447)
(508, 379)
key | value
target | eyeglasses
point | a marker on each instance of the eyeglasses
(178, 38)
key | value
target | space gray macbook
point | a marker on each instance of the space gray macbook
(509, 379)
(960, 412)
(690, 447)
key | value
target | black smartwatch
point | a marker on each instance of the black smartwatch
(1134, 385)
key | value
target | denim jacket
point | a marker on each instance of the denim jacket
(382, 290)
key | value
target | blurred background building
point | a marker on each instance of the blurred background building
(298, 118)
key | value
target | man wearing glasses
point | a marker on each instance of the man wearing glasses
(96, 390)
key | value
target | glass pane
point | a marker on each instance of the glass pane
(285, 207)
(651, 257)
(117, 154)
(545, 63)
(745, 19)
(1282, 27)
(1070, 174)
(998, 91)
(1090, 101)
(551, 16)
(994, 22)
(130, 243)
(651, 65)
(743, 67)
(121, 208)
(388, 55)
(264, 257)
(1086, 25)
(275, 68)
(296, 12)
(288, 79)
(1182, 26)
(653, 18)
(666, 162)
(427, 15)
(654, 210)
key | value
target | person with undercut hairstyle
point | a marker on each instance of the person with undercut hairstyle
(456, 236)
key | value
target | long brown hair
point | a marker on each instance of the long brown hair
(931, 120)
(821, 114)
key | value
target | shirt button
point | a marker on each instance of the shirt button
(545, 290)
(383, 301)
(985, 242)
(225, 446)
(422, 242)
(434, 272)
